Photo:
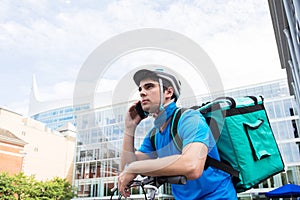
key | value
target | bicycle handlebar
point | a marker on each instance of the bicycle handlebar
(153, 183)
(171, 179)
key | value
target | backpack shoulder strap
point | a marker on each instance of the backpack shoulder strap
(220, 165)
(152, 137)
(174, 123)
(174, 128)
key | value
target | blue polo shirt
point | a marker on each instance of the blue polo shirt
(192, 127)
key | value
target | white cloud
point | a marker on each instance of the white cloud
(61, 90)
(249, 56)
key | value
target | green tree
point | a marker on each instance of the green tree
(7, 189)
(22, 187)
(58, 189)
(63, 190)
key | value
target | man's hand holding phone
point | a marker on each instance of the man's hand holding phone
(137, 110)
(135, 115)
(143, 114)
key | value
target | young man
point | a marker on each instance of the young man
(159, 92)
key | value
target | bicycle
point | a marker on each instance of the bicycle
(151, 184)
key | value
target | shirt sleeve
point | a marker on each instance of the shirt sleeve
(192, 127)
(146, 146)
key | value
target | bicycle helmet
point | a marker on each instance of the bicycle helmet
(166, 78)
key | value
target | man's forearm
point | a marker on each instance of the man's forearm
(158, 167)
(190, 163)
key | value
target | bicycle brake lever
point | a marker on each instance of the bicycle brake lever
(148, 180)
(113, 189)
(153, 191)
(150, 187)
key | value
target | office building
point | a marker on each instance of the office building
(54, 114)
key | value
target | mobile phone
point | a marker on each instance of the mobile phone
(143, 114)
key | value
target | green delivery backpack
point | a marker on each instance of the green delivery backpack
(244, 138)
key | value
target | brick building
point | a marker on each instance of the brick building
(11, 152)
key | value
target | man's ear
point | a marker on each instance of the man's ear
(169, 92)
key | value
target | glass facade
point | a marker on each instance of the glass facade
(58, 117)
(99, 142)
(100, 133)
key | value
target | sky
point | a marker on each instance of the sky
(52, 40)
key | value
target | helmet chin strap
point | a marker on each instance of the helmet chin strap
(161, 106)
(161, 114)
